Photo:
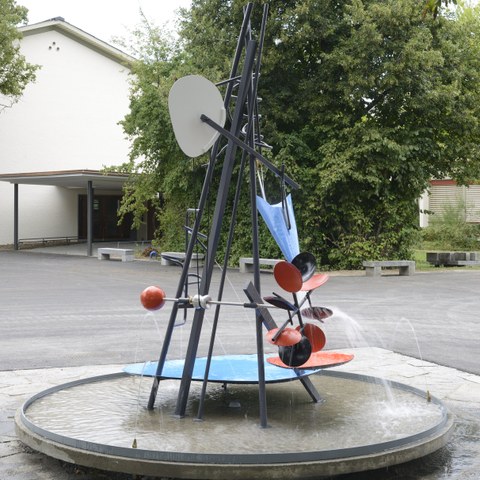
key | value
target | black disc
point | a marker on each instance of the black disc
(280, 302)
(297, 354)
(306, 263)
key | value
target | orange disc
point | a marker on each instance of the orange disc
(316, 281)
(315, 335)
(288, 276)
(317, 360)
(287, 338)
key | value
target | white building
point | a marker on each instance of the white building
(64, 129)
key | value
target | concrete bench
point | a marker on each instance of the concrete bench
(177, 258)
(126, 254)
(449, 259)
(246, 263)
(373, 268)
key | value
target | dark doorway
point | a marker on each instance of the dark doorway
(152, 223)
(105, 220)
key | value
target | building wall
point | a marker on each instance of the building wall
(446, 193)
(44, 211)
(66, 120)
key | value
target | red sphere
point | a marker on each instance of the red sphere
(153, 298)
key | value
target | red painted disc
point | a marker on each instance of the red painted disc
(288, 276)
(287, 338)
(317, 360)
(316, 281)
(315, 335)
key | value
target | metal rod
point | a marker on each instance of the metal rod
(299, 315)
(214, 236)
(250, 150)
(233, 221)
(257, 76)
(280, 330)
(189, 300)
(184, 275)
(223, 82)
(253, 184)
(241, 304)
(201, 207)
(238, 51)
(262, 396)
(263, 313)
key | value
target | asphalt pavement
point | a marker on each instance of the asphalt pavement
(64, 310)
(64, 317)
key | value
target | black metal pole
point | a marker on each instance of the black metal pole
(262, 396)
(233, 220)
(227, 251)
(201, 207)
(250, 150)
(15, 216)
(238, 51)
(214, 236)
(184, 275)
(90, 194)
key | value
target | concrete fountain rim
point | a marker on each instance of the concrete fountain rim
(140, 461)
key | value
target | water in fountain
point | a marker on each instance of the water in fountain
(353, 415)
(148, 318)
(356, 336)
(403, 321)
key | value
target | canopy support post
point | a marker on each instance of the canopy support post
(15, 216)
(89, 218)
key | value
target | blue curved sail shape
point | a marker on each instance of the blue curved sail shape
(287, 239)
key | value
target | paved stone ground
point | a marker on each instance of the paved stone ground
(59, 313)
(460, 392)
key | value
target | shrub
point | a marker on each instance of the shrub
(449, 230)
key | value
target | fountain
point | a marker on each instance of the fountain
(240, 428)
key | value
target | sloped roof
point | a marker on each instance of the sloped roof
(79, 35)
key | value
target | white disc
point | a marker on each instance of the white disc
(189, 98)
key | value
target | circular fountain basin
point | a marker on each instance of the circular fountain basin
(363, 424)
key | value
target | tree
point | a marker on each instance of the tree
(15, 71)
(434, 6)
(161, 176)
(364, 102)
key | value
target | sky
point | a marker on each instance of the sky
(104, 19)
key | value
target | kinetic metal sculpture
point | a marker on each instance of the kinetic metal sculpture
(199, 114)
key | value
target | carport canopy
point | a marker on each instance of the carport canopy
(90, 180)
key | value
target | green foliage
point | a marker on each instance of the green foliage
(434, 6)
(450, 231)
(15, 72)
(363, 101)
(377, 100)
(161, 176)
